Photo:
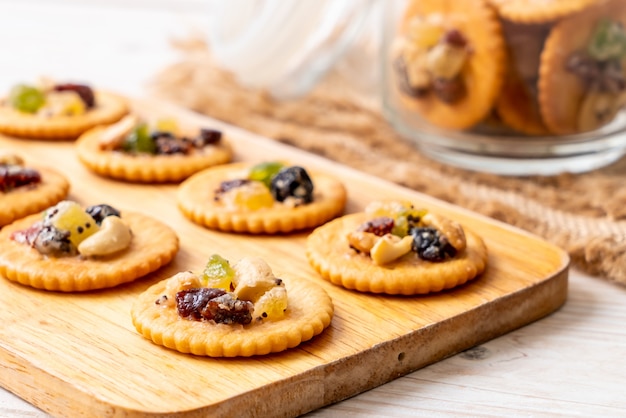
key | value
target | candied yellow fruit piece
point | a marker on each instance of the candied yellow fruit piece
(252, 196)
(167, 125)
(70, 216)
(272, 305)
(425, 33)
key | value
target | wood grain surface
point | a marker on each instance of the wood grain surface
(78, 354)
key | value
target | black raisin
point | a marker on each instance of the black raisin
(430, 245)
(99, 212)
(53, 241)
(292, 182)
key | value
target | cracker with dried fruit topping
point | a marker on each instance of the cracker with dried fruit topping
(449, 61)
(69, 248)
(582, 78)
(229, 311)
(264, 198)
(25, 190)
(394, 248)
(57, 111)
(135, 149)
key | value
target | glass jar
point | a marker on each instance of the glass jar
(508, 86)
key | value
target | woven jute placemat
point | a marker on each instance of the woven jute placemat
(585, 214)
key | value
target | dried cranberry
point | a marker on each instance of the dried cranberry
(455, 38)
(378, 226)
(29, 235)
(449, 91)
(12, 176)
(229, 185)
(213, 304)
(191, 301)
(85, 92)
(168, 144)
(207, 137)
(399, 66)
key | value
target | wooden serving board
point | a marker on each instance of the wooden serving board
(79, 354)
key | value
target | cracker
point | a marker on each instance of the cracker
(482, 74)
(329, 252)
(518, 109)
(538, 11)
(561, 92)
(147, 168)
(196, 200)
(309, 312)
(31, 199)
(109, 108)
(23, 264)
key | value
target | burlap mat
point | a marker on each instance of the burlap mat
(585, 214)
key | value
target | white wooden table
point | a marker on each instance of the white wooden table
(571, 363)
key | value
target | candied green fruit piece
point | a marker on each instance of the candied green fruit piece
(218, 273)
(139, 140)
(264, 172)
(26, 98)
(70, 216)
(608, 41)
(272, 305)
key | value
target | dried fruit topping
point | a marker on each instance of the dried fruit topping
(218, 273)
(207, 137)
(167, 144)
(139, 141)
(26, 98)
(84, 92)
(12, 176)
(430, 245)
(99, 212)
(265, 172)
(213, 304)
(228, 185)
(608, 41)
(67, 229)
(378, 226)
(272, 305)
(292, 182)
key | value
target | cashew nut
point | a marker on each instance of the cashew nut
(390, 247)
(452, 230)
(113, 236)
(254, 277)
(445, 60)
(362, 241)
(113, 136)
(181, 281)
(10, 159)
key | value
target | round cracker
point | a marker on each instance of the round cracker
(196, 200)
(309, 312)
(24, 264)
(518, 109)
(109, 108)
(147, 168)
(561, 92)
(538, 11)
(26, 200)
(482, 74)
(329, 252)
